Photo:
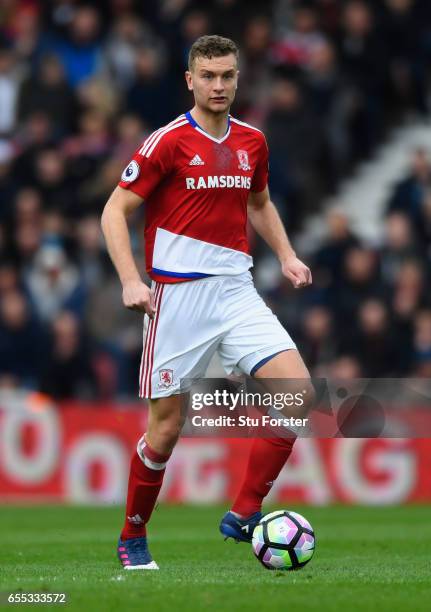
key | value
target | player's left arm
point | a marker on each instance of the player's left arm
(266, 221)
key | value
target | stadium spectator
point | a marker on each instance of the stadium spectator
(363, 64)
(7, 184)
(399, 246)
(345, 367)
(251, 100)
(401, 31)
(409, 292)
(129, 135)
(20, 333)
(91, 257)
(35, 134)
(9, 280)
(80, 50)
(9, 87)
(24, 31)
(27, 238)
(323, 82)
(374, 344)
(54, 284)
(68, 371)
(328, 259)
(88, 149)
(409, 194)
(52, 182)
(127, 36)
(422, 343)
(150, 94)
(47, 91)
(99, 186)
(297, 43)
(295, 143)
(359, 281)
(317, 337)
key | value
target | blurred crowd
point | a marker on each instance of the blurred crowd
(83, 83)
(368, 312)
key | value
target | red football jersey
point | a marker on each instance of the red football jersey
(196, 188)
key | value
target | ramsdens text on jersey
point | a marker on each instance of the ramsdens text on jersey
(215, 182)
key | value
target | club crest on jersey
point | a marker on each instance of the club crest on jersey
(131, 173)
(166, 378)
(243, 160)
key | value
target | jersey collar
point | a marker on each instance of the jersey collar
(197, 127)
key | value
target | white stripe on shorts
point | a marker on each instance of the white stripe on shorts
(148, 350)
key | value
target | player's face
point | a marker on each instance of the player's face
(213, 82)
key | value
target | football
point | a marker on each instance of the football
(283, 540)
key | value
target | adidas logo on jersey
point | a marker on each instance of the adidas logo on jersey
(196, 161)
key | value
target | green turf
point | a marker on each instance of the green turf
(366, 559)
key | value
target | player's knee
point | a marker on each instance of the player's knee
(296, 399)
(303, 400)
(168, 432)
(308, 395)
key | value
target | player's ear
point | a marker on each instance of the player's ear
(188, 77)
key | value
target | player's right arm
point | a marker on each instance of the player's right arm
(136, 294)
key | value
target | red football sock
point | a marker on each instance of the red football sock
(147, 469)
(267, 457)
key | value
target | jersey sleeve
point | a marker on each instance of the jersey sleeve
(147, 168)
(260, 176)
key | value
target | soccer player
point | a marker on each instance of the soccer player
(201, 176)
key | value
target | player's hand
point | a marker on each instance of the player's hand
(297, 272)
(138, 296)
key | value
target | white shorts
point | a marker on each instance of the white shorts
(197, 318)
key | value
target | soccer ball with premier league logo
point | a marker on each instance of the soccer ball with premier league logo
(283, 540)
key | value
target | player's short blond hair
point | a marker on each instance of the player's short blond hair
(212, 46)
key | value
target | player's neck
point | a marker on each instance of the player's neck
(214, 124)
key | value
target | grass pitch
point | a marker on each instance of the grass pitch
(366, 559)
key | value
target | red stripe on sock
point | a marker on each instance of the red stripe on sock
(153, 455)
